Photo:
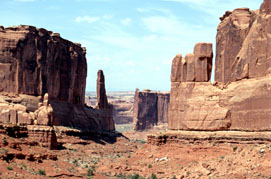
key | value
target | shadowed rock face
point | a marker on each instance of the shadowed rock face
(102, 101)
(150, 109)
(36, 61)
(103, 105)
(241, 97)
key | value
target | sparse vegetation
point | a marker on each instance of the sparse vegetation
(174, 177)
(153, 176)
(91, 171)
(141, 141)
(42, 172)
(149, 166)
(134, 176)
(234, 148)
(9, 168)
(5, 142)
(24, 166)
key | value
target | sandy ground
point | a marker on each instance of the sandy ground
(132, 157)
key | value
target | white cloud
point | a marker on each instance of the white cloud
(216, 8)
(107, 17)
(126, 21)
(130, 63)
(163, 25)
(90, 19)
(87, 19)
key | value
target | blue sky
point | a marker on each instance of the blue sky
(132, 41)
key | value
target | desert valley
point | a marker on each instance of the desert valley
(52, 127)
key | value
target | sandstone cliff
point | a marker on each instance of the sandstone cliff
(240, 98)
(35, 62)
(150, 109)
(243, 44)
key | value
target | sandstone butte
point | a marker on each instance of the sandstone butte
(240, 97)
(150, 109)
(43, 81)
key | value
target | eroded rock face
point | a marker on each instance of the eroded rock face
(243, 105)
(36, 61)
(45, 135)
(44, 114)
(194, 67)
(102, 103)
(243, 44)
(237, 100)
(43, 80)
(150, 109)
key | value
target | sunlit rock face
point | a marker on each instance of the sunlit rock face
(240, 97)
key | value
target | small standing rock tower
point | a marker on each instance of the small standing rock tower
(105, 108)
(102, 102)
(44, 113)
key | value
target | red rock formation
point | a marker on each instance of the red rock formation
(34, 62)
(162, 108)
(150, 109)
(102, 101)
(103, 105)
(45, 135)
(194, 67)
(243, 45)
(243, 51)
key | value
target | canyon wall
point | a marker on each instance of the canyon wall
(240, 97)
(150, 109)
(43, 80)
(243, 44)
(36, 61)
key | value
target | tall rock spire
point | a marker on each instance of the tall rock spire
(102, 101)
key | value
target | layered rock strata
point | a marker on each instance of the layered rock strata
(150, 109)
(45, 135)
(240, 99)
(36, 61)
(243, 44)
(43, 80)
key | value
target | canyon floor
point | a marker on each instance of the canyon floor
(129, 156)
